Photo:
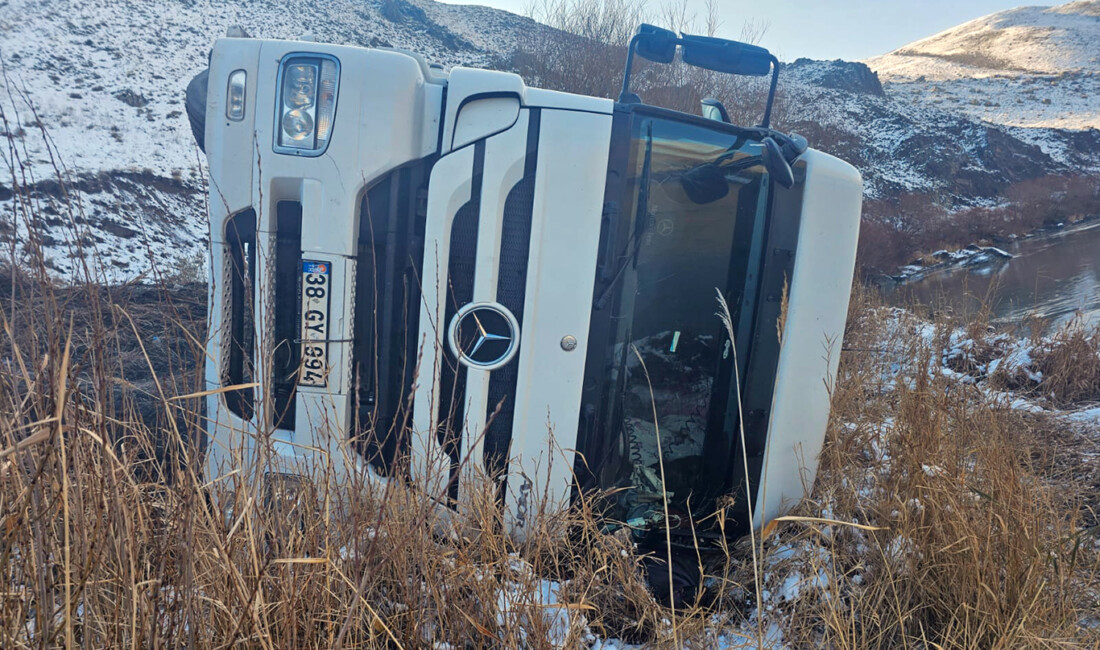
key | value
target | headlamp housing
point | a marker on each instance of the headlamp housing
(306, 103)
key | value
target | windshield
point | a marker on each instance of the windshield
(698, 199)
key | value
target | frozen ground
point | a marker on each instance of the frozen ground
(107, 78)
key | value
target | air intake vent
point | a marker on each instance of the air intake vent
(286, 353)
(240, 282)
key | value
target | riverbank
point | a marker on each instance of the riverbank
(977, 255)
(1053, 277)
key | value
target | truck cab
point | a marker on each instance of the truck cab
(463, 282)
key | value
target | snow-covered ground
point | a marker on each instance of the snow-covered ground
(1025, 67)
(106, 79)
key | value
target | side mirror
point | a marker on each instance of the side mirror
(714, 110)
(655, 43)
(721, 55)
(776, 163)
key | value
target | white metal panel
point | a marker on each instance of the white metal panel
(449, 188)
(820, 285)
(387, 114)
(372, 134)
(565, 231)
(568, 101)
(466, 83)
(229, 145)
(505, 155)
(229, 154)
(469, 83)
(482, 118)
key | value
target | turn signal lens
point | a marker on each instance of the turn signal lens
(234, 98)
(326, 102)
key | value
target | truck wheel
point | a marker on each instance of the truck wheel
(196, 107)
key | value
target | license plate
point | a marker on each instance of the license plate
(316, 287)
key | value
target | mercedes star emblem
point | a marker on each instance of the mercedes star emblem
(484, 335)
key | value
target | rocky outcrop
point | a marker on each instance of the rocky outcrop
(853, 77)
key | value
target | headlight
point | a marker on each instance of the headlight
(297, 125)
(307, 103)
(300, 85)
(234, 96)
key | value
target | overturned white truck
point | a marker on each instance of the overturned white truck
(457, 279)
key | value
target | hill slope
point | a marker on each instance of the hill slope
(106, 79)
(1026, 67)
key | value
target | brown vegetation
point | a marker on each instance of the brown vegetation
(906, 227)
(111, 538)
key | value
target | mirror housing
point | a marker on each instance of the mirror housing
(720, 55)
(655, 43)
(714, 110)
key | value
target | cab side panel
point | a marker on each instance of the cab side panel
(817, 307)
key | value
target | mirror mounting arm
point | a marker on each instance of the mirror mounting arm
(624, 94)
(659, 45)
(766, 123)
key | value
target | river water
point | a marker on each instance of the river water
(1054, 277)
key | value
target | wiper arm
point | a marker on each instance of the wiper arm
(791, 145)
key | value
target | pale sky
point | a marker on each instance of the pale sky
(829, 29)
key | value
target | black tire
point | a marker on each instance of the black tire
(196, 107)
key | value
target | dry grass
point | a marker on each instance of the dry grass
(982, 544)
(110, 538)
(1070, 364)
(971, 536)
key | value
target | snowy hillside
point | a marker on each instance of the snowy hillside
(107, 77)
(106, 80)
(902, 144)
(1026, 67)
